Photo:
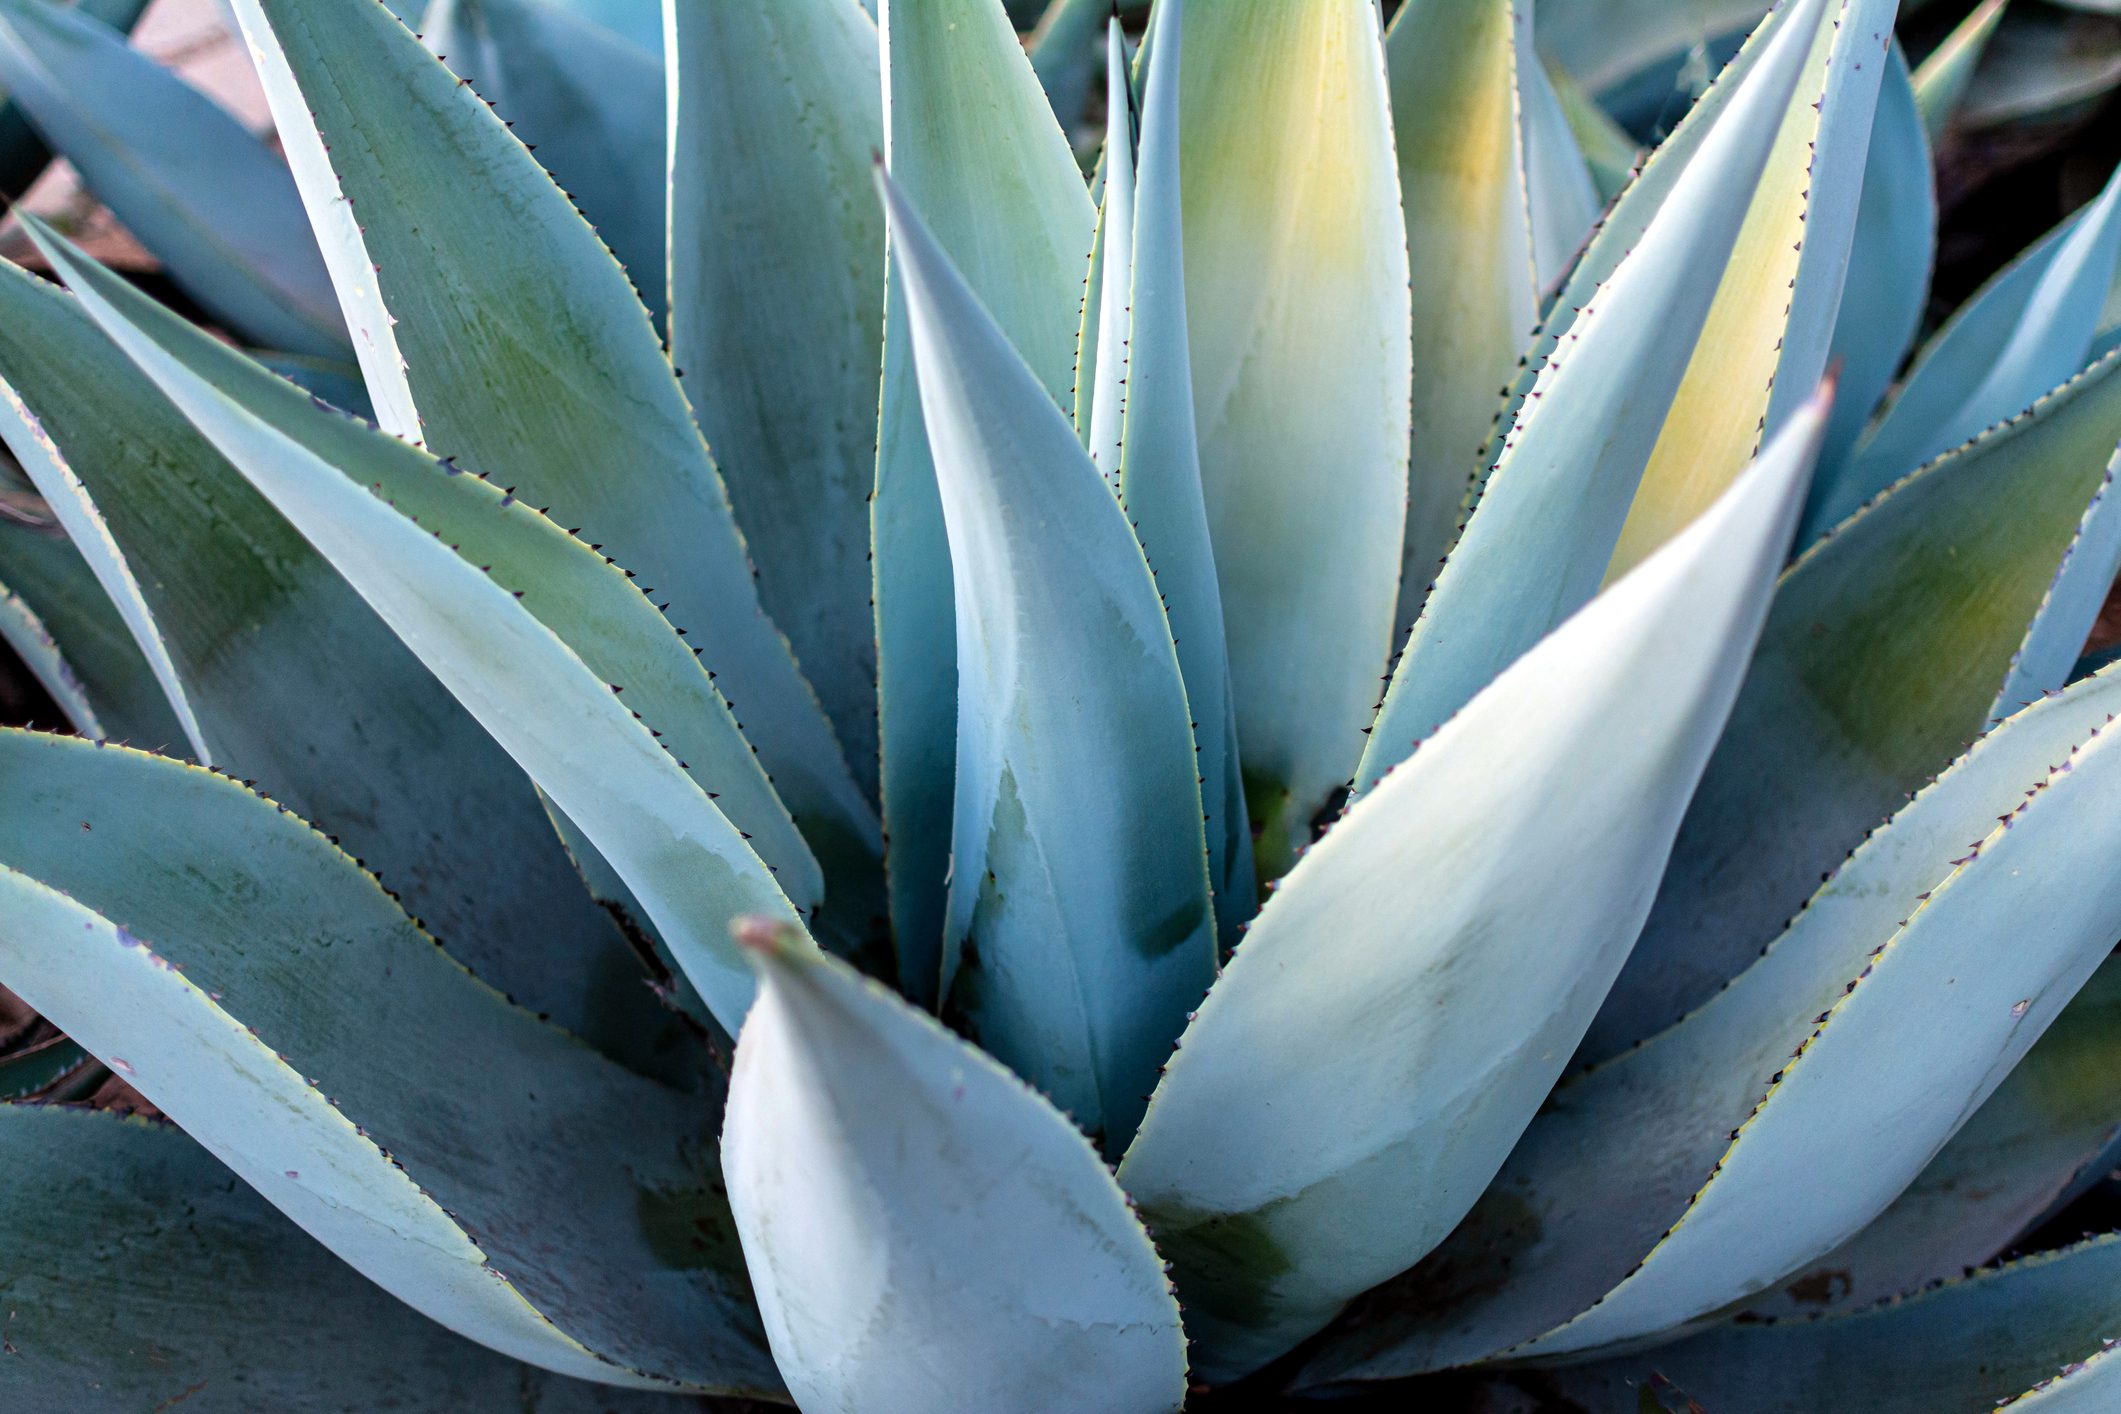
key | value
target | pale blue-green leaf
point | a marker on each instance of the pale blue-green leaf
(1602, 42)
(23, 155)
(1410, 994)
(335, 382)
(662, 780)
(25, 633)
(638, 21)
(268, 995)
(212, 202)
(1064, 55)
(777, 312)
(970, 139)
(1685, 1174)
(542, 369)
(141, 1277)
(1487, 229)
(1160, 480)
(41, 567)
(294, 683)
(1890, 643)
(2033, 1336)
(1080, 928)
(587, 102)
(2027, 332)
(1548, 520)
(924, 1231)
(2036, 1142)
(1115, 264)
(1610, 152)
(1888, 284)
(1299, 313)
(1941, 82)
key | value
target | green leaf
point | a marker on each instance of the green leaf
(1403, 1002)
(140, 1274)
(925, 1231)
(48, 581)
(269, 996)
(1888, 651)
(1684, 1174)
(662, 780)
(292, 682)
(1064, 53)
(39, 1066)
(2035, 1335)
(205, 196)
(1080, 928)
(777, 312)
(1609, 151)
(2028, 331)
(587, 102)
(542, 369)
(1602, 42)
(23, 155)
(1544, 531)
(1160, 481)
(1486, 237)
(1887, 290)
(972, 143)
(1941, 82)
(2035, 1143)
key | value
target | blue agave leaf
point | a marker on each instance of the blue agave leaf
(69, 632)
(1941, 83)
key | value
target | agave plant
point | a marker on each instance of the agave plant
(925, 905)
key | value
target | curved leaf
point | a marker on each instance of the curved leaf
(2028, 331)
(1114, 277)
(1488, 230)
(588, 102)
(52, 583)
(924, 1231)
(481, 1165)
(541, 668)
(140, 1275)
(777, 311)
(1941, 82)
(971, 141)
(1889, 645)
(23, 155)
(292, 681)
(1080, 928)
(1543, 533)
(1297, 304)
(25, 633)
(1415, 986)
(1684, 1174)
(542, 369)
(211, 201)
(1609, 151)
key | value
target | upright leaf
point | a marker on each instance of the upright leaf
(1941, 82)
(1472, 111)
(1888, 649)
(1602, 42)
(1408, 996)
(1160, 480)
(777, 311)
(924, 1231)
(292, 682)
(269, 996)
(48, 580)
(1080, 929)
(971, 141)
(212, 202)
(587, 101)
(1543, 532)
(139, 1274)
(542, 368)
(1115, 278)
(1296, 293)
(662, 781)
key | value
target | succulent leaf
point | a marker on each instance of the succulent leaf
(777, 311)
(1543, 533)
(1602, 42)
(214, 204)
(1691, 1171)
(1080, 927)
(1941, 82)
(972, 143)
(662, 780)
(1609, 151)
(924, 1231)
(1889, 645)
(245, 994)
(1281, 1191)
(118, 1225)
(1298, 307)
(587, 101)
(1115, 275)
(289, 680)
(1497, 200)
(542, 368)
